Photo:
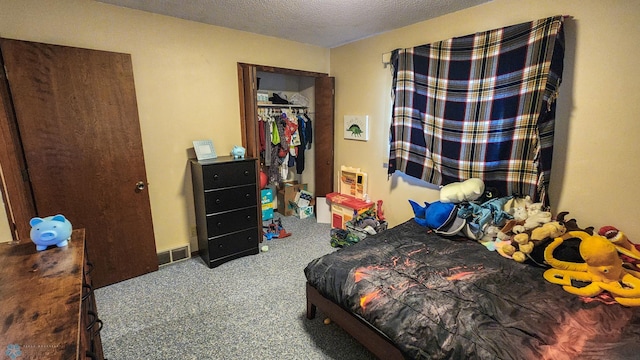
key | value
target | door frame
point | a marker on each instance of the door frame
(248, 89)
(16, 189)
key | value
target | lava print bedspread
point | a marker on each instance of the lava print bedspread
(440, 298)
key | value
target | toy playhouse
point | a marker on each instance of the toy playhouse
(351, 200)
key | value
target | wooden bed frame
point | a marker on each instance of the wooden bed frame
(370, 337)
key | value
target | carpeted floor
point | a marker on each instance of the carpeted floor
(249, 308)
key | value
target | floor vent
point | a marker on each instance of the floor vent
(173, 255)
(164, 258)
(180, 253)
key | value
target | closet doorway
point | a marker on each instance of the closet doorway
(318, 89)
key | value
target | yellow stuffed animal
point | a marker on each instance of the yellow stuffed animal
(602, 269)
(527, 242)
(525, 247)
(549, 230)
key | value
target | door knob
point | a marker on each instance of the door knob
(140, 185)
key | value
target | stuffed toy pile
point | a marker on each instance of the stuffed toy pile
(519, 229)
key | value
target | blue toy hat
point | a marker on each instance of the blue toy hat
(438, 214)
(441, 217)
(453, 225)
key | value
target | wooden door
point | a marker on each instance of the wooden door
(323, 135)
(17, 191)
(78, 124)
(248, 110)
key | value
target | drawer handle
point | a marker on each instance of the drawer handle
(98, 329)
(93, 318)
(218, 201)
(89, 291)
(248, 217)
(219, 224)
(247, 195)
(246, 172)
(215, 177)
(89, 267)
(100, 325)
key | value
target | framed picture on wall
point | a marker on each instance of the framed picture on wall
(204, 149)
(356, 127)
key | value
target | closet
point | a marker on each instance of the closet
(311, 95)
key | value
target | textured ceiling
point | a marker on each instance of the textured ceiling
(326, 23)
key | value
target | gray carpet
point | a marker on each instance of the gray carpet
(250, 308)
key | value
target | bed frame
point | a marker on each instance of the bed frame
(370, 337)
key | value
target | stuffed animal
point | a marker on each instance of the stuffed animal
(458, 192)
(526, 242)
(628, 250)
(572, 224)
(552, 230)
(51, 230)
(534, 208)
(524, 246)
(602, 269)
(438, 216)
(506, 232)
(519, 253)
(567, 251)
(519, 214)
(533, 221)
(505, 236)
(490, 193)
(517, 202)
(490, 237)
(490, 233)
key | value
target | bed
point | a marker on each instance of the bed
(407, 293)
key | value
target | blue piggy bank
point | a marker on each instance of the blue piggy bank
(238, 152)
(52, 230)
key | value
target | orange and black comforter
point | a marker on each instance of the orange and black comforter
(438, 298)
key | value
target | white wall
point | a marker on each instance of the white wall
(596, 152)
(186, 84)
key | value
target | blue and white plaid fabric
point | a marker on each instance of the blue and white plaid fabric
(482, 106)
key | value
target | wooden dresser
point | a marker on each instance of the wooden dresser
(226, 199)
(47, 307)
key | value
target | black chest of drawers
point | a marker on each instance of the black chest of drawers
(226, 199)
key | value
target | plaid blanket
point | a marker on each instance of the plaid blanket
(482, 106)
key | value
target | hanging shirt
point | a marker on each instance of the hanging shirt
(308, 131)
(261, 134)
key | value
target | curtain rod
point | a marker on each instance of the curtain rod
(386, 57)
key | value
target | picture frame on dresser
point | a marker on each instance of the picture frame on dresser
(204, 149)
